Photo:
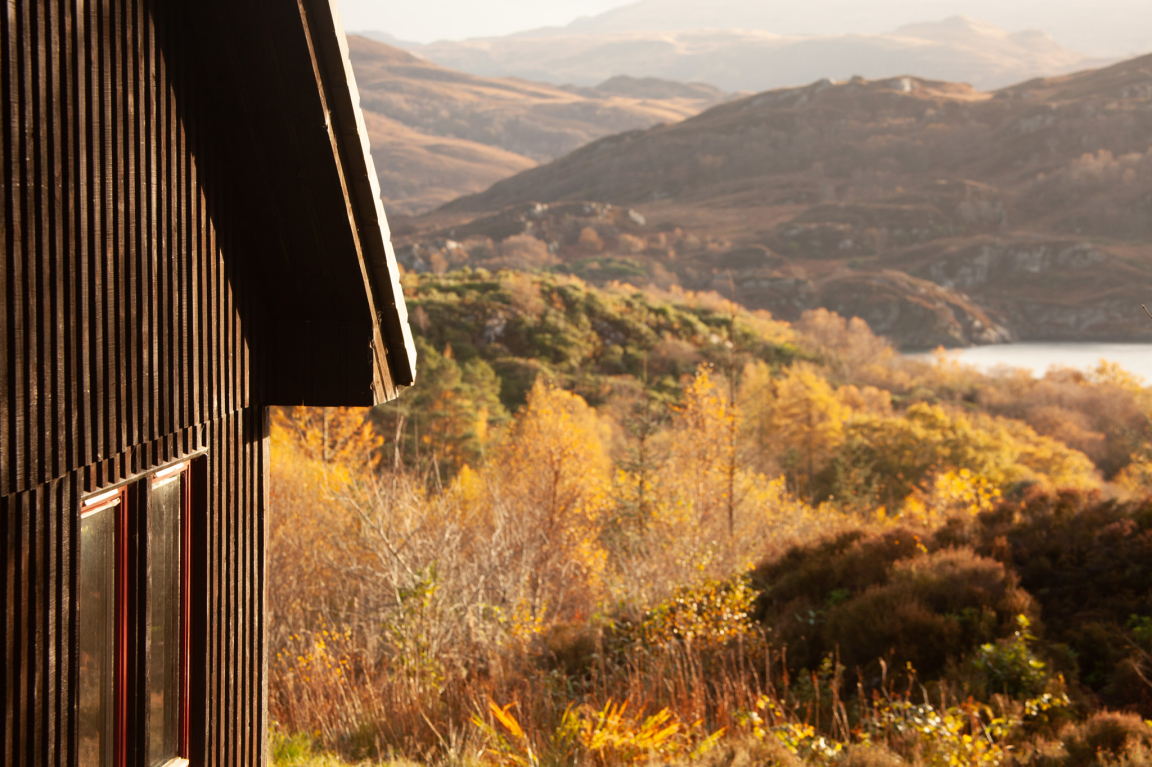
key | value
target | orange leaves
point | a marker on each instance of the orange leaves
(517, 751)
(506, 719)
(610, 735)
(332, 435)
(613, 736)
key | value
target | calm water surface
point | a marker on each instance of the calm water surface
(1038, 357)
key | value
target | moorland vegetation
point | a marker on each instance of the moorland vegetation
(618, 526)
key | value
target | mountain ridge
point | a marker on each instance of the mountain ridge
(1106, 28)
(1030, 206)
(956, 48)
(436, 132)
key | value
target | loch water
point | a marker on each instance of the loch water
(1038, 357)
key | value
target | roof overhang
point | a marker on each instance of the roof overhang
(276, 89)
(393, 349)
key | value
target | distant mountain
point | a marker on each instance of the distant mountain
(866, 196)
(437, 134)
(956, 49)
(1112, 28)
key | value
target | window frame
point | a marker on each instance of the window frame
(132, 499)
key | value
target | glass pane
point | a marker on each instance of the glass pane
(165, 604)
(97, 640)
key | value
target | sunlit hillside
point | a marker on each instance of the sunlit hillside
(936, 212)
(619, 526)
(437, 133)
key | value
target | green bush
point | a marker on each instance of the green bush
(1010, 667)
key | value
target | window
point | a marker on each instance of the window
(133, 623)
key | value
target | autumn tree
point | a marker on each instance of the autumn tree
(848, 347)
(314, 539)
(883, 459)
(548, 487)
(699, 447)
(331, 435)
(644, 418)
(808, 422)
(446, 422)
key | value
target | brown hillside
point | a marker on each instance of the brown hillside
(437, 134)
(1035, 201)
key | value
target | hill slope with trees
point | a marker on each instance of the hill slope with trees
(1031, 204)
(613, 525)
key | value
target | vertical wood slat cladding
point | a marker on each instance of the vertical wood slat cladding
(105, 198)
(124, 338)
(37, 678)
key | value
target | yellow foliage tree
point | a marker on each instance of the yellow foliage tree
(696, 497)
(757, 396)
(700, 478)
(808, 421)
(884, 459)
(331, 435)
(309, 528)
(951, 493)
(1135, 479)
(549, 490)
(700, 450)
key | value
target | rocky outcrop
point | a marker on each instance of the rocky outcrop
(1045, 288)
(912, 312)
(915, 313)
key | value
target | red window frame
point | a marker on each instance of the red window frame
(127, 500)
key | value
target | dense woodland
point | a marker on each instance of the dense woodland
(612, 526)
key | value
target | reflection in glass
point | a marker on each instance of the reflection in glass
(97, 640)
(164, 566)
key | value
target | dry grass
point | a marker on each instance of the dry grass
(587, 595)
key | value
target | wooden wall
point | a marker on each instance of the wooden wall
(127, 340)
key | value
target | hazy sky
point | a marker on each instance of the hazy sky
(1101, 27)
(426, 20)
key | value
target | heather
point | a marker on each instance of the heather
(614, 526)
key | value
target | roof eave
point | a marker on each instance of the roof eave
(394, 352)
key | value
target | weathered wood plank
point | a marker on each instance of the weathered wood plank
(7, 284)
(23, 245)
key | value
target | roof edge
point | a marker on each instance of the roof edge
(394, 351)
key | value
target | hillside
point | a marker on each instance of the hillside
(737, 56)
(437, 133)
(1028, 210)
(600, 495)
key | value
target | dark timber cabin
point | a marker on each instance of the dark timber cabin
(192, 233)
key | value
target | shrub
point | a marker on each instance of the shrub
(969, 734)
(1108, 738)
(751, 752)
(870, 756)
(1088, 561)
(933, 608)
(881, 597)
(711, 613)
(1010, 667)
(570, 647)
(851, 561)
